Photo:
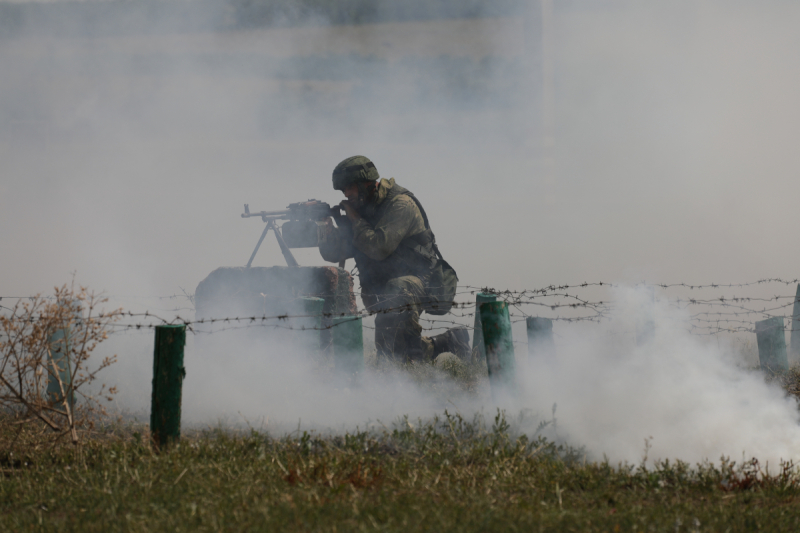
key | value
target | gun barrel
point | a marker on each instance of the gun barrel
(312, 209)
(274, 213)
(267, 214)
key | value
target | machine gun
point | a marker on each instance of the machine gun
(304, 222)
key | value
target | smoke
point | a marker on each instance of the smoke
(277, 387)
(127, 158)
(680, 395)
(671, 395)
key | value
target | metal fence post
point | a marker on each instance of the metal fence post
(794, 338)
(477, 331)
(348, 344)
(59, 346)
(646, 321)
(59, 370)
(499, 343)
(312, 321)
(168, 374)
(540, 337)
(772, 345)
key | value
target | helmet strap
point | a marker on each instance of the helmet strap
(367, 192)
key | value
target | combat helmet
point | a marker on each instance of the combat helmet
(354, 169)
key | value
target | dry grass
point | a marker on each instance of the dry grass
(789, 381)
(446, 474)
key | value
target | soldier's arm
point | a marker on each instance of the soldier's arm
(335, 244)
(400, 220)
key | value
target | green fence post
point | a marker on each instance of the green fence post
(540, 337)
(794, 339)
(168, 374)
(477, 330)
(59, 346)
(499, 344)
(348, 344)
(311, 323)
(772, 345)
(646, 321)
(58, 343)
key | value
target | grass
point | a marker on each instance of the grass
(789, 381)
(444, 474)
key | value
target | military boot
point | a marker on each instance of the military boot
(454, 340)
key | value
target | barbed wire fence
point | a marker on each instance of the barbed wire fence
(702, 309)
(725, 312)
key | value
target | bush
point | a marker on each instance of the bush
(45, 349)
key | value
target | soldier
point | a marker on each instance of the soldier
(393, 247)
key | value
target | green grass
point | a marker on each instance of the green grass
(445, 474)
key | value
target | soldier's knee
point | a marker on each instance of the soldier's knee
(410, 286)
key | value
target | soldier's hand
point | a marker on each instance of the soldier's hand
(350, 211)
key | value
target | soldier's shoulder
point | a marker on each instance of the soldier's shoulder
(404, 201)
(399, 197)
(404, 198)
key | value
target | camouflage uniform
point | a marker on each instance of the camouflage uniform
(393, 252)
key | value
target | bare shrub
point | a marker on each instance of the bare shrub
(45, 367)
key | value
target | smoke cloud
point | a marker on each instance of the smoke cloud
(681, 395)
(127, 158)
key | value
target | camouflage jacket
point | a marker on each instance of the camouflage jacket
(389, 241)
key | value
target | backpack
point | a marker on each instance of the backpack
(443, 282)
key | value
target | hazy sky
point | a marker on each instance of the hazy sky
(128, 160)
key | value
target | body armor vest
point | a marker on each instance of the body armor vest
(414, 256)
